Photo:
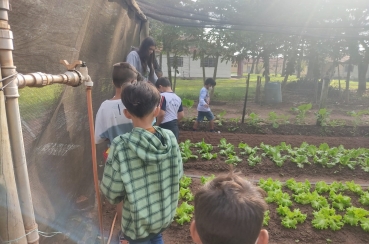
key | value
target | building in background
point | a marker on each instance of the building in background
(190, 69)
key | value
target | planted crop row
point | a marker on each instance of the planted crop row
(325, 207)
(184, 212)
(305, 154)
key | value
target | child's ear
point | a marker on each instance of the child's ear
(194, 234)
(263, 237)
(157, 111)
(127, 114)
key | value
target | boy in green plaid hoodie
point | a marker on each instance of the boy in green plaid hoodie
(143, 169)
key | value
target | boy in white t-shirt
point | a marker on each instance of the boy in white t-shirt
(110, 121)
(171, 107)
(203, 109)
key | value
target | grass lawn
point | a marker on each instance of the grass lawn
(34, 101)
(234, 88)
(225, 90)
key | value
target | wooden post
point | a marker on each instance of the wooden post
(258, 90)
(347, 91)
(316, 90)
(247, 92)
(324, 93)
(339, 79)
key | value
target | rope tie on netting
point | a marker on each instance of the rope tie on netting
(10, 76)
(41, 233)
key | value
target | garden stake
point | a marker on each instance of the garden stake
(111, 228)
(247, 92)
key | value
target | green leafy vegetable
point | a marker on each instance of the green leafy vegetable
(339, 201)
(355, 188)
(270, 184)
(185, 182)
(232, 159)
(364, 199)
(184, 213)
(298, 187)
(247, 150)
(186, 152)
(321, 187)
(266, 218)
(228, 151)
(316, 201)
(204, 179)
(279, 197)
(365, 224)
(209, 155)
(205, 148)
(254, 160)
(355, 215)
(224, 145)
(291, 218)
(326, 218)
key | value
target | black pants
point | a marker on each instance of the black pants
(171, 125)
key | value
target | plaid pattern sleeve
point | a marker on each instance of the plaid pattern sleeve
(112, 185)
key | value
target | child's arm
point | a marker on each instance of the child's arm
(202, 98)
(180, 113)
(163, 106)
(111, 184)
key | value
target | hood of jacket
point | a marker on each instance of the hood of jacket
(148, 147)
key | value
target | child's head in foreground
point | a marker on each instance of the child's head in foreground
(210, 82)
(124, 73)
(229, 210)
(141, 100)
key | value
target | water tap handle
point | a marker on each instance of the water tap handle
(72, 66)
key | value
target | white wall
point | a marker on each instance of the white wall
(353, 75)
(191, 68)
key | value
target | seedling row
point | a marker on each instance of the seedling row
(306, 154)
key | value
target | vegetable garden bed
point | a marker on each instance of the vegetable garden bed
(335, 169)
(267, 167)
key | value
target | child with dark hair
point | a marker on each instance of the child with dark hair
(110, 121)
(143, 169)
(144, 60)
(171, 107)
(203, 109)
(229, 209)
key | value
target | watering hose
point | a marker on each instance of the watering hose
(94, 161)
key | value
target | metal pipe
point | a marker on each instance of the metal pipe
(71, 78)
(15, 128)
(11, 223)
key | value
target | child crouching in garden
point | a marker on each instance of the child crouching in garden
(143, 169)
(229, 209)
